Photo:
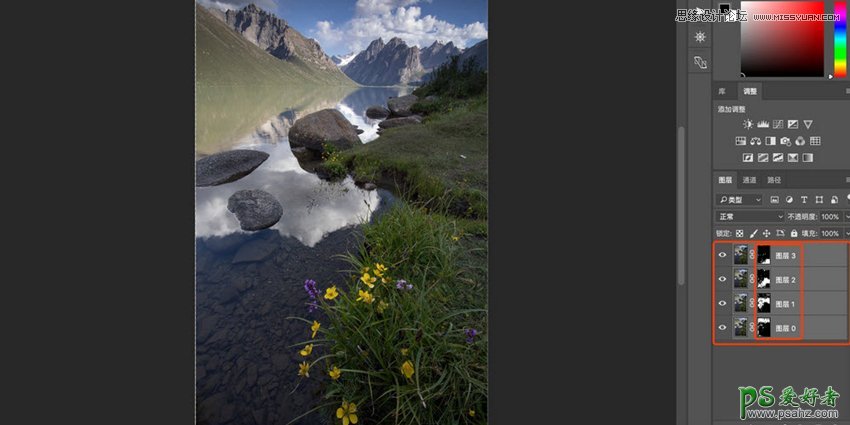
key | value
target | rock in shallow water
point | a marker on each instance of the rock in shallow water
(377, 112)
(326, 126)
(255, 209)
(400, 106)
(253, 251)
(227, 166)
(398, 122)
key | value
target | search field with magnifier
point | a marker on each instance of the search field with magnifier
(751, 199)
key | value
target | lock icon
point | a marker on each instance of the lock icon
(794, 233)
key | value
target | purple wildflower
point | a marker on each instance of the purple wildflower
(310, 287)
(313, 292)
(402, 284)
(470, 335)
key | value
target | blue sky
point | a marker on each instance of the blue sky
(343, 26)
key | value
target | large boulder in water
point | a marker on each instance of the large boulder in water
(255, 209)
(227, 166)
(326, 126)
(377, 112)
(400, 106)
(398, 122)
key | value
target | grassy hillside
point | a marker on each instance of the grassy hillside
(223, 57)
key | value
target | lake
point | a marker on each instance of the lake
(248, 283)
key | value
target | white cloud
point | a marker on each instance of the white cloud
(268, 5)
(393, 18)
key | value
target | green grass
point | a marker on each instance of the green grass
(424, 162)
(429, 251)
(333, 163)
(437, 242)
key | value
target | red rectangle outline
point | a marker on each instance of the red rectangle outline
(770, 344)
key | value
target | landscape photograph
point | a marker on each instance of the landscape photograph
(341, 212)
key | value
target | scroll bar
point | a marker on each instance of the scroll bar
(680, 207)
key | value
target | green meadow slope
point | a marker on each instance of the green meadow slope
(223, 57)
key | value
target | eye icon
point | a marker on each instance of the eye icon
(722, 303)
(722, 279)
(722, 255)
(722, 327)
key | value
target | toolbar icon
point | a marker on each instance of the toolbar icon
(814, 141)
(785, 141)
(808, 157)
(763, 124)
(749, 124)
(808, 123)
(764, 157)
(793, 124)
(778, 124)
(778, 157)
(740, 140)
(800, 141)
(774, 200)
(747, 157)
(770, 141)
(700, 62)
(755, 141)
(793, 157)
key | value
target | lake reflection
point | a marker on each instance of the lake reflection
(312, 208)
(248, 285)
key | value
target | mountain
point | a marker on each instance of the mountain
(342, 60)
(478, 52)
(385, 64)
(275, 36)
(225, 58)
(437, 53)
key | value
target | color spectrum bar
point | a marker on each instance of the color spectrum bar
(772, 48)
(841, 40)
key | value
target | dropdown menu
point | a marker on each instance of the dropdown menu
(750, 216)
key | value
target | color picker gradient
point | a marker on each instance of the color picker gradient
(774, 48)
(840, 49)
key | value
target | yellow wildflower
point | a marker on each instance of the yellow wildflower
(331, 293)
(380, 269)
(404, 351)
(455, 238)
(315, 328)
(364, 270)
(407, 369)
(307, 350)
(385, 279)
(334, 373)
(365, 296)
(347, 413)
(368, 280)
(304, 369)
(471, 413)
(382, 306)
